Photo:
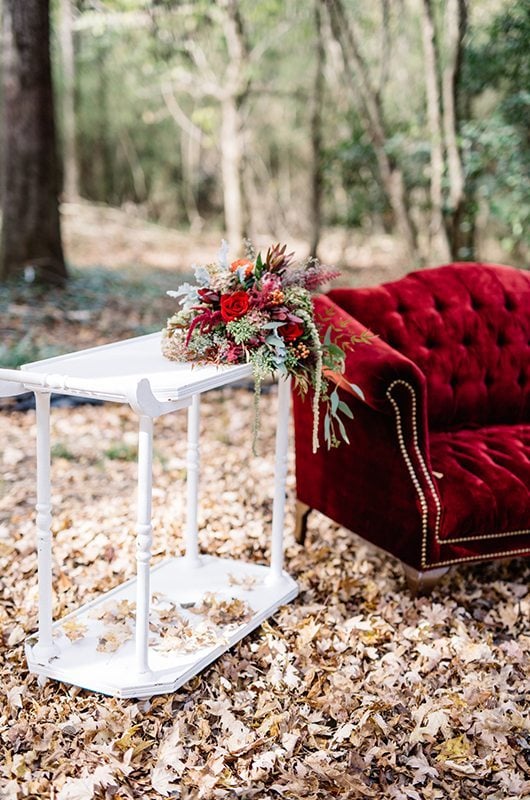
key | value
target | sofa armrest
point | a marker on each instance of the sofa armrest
(376, 368)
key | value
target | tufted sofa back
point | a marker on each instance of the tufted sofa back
(467, 327)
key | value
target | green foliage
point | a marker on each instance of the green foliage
(150, 77)
(497, 164)
(86, 300)
(496, 147)
(60, 450)
(122, 133)
(503, 62)
(355, 162)
(25, 351)
(121, 452)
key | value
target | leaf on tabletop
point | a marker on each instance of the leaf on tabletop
(246, 582)
(74, 629)
(113, 637)
(114, 612)
(223, 611)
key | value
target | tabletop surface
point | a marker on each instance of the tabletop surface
(109, 369)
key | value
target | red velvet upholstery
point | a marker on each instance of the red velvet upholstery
(438, 470)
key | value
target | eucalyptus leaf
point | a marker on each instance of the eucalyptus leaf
(327, 427)
(343, 430)
(358, 390)
(275, 341)
(272, 325)
(335, 350)
(346, 410)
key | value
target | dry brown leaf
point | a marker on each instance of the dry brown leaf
(222, 611)
(74, 629)
(113, 637)
(246, 582)
(320, 701)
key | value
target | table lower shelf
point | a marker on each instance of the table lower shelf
(197, 613)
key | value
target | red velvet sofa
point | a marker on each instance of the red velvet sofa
(438, 469)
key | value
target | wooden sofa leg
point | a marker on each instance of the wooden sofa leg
(300, 525)
(422, 582)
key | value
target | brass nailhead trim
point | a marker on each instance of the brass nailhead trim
(421, 495)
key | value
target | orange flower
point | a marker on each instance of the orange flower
(243, 262)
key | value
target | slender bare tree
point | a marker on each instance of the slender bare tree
(190, 148)
(373, 120)
(229, 85)
(439, 243)
(455, 27)
(234, 90)
(316, 135)
(66, 38)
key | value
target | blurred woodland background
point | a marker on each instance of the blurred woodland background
(289, 119)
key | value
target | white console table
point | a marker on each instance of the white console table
(135, 372)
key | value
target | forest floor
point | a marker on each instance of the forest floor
(353, 690)
(96, 235)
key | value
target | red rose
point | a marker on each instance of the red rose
(291, 331)
(234, 305)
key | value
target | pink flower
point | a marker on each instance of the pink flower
(233, 353)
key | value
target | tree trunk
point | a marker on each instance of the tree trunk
(70, 170)
(29, 174)
(438, 234)
(234, 90)
(316, 137)
(231, 164)
(386, 45)
(190, 149)
(373, 122)
(455, 30)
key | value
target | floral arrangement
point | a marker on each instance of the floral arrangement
(260, 311)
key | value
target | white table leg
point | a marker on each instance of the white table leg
(192, 487)
(45, 648)
(280, 475)
(143, 543)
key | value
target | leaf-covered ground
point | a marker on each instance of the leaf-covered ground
(354, 690)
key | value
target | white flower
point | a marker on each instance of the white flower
(222, 256)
